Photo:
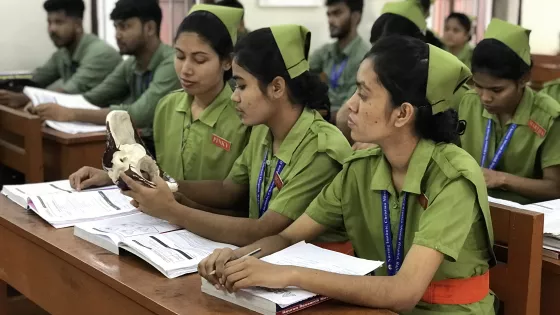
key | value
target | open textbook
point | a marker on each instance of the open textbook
(21, 193)
(41, 96)
(172, 251)
(289, 300)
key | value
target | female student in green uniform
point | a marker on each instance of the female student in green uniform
(198, 134)
(456, 36)
(552, 88)
(416, 191)
(512, 132)
(292, 153)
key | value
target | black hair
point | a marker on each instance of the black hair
(231, 4)
(145, 10)
(72, 8)
(258, 54)
(495, 58)
(463, 19)
(425, 4)
(393, 24)
(354, 5)
(209, 27)
(401, 64)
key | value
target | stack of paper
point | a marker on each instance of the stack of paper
(288, 300)
(41, 96)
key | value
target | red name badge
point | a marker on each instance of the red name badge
(221, 142)
(536, 128)
(423, 201)
(278, 181)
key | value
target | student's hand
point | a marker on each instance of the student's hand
(52, 111)
(153, 201)
(13, 99)
(88, 176)
(216, 261)
(494, 179)
(252, 272)
(362, 146)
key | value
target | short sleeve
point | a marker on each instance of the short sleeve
(550, 154)
(239, 172)
(326, 208)
(446, 223)
(298, 192)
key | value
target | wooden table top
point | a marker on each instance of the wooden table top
(133, 277)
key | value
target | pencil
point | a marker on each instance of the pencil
(246, 255)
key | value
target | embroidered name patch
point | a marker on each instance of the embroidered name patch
(221, 142)
(536, 128)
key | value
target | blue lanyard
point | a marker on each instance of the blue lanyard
(279, 167)
(336, 73)
(393, 263)
(501, 148)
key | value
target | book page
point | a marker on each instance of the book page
(61, 186)
(130, 226)
(41, 96)
(311, 256)
(64, 207)
(550, 209)
(175, 250)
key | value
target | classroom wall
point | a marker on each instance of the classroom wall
(543, 18)
(314, 18)
(25, 42)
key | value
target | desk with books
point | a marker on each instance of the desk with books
(63, 274)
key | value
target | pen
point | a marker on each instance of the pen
(246, 255)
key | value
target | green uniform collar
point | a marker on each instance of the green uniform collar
(421, 157)
(81, 49)
(294, 137)
(349, 50)
(513, 36)
(211, 114)
(522, 112)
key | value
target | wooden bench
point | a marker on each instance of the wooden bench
(516, 279)
(21, 144)
(545, 68)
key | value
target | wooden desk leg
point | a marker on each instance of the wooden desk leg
(3, 298)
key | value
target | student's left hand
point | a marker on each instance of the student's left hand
(251, 272)
(154, 201)
(52, 111)
(494, 179)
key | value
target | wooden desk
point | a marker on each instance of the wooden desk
(65, 153)
(550, 286)
(66, 275)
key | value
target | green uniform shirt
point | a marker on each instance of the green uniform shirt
(455, 222)
(313, 152)
(204, 149)
(528, 153)
(553, 89)
(87, 67)
(465, 55)
(328, 58)
(139, 92)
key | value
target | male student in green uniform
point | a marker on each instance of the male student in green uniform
(338, 62)
(82, 61)
(292, 153)
(198, 134)
(417, 202)
(552, 88)
(138, 83)
(513, 132)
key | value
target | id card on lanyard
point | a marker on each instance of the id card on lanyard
(394, 261)
(268, 194)
(501, 149)
(336, 73)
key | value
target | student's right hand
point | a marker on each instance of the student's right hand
(216, 261)
(89, 176)
(13, 99)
